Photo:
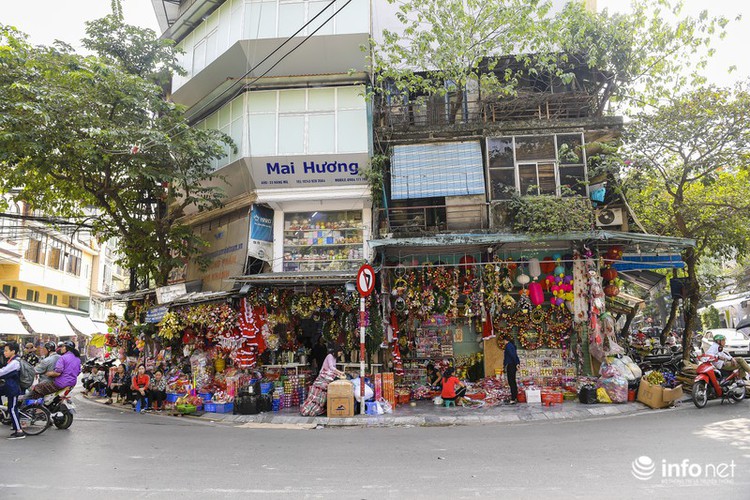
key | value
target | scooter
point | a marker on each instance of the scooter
(710, 383)
(60, 407)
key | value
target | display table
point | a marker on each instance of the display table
(375, 366)
(287, 366)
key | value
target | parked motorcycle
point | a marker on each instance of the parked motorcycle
(711, 383)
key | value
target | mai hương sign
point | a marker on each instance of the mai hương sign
(309, 171)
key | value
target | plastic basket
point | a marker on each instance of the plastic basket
(186, 409)
(266, 387)
(205, 396)
(173, 397)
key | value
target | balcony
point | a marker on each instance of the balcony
(433, 219)
(447, 111)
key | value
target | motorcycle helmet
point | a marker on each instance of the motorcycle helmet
(69, 345)
(719, 337)
(50, 346)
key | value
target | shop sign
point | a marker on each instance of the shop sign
(155, 314)
(260, 244)
(309, 171)
(226, 252)
(166, 294)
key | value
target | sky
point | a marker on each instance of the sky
(48, 20)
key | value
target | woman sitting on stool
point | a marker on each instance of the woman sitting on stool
(453, 389)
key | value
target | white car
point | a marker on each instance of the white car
(738, 344)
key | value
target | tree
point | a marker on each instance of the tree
(96, 131)
(448, 45)
(643, 56)
(690, 177)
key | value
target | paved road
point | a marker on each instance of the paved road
(111, 454)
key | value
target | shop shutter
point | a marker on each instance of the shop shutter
(430, 170)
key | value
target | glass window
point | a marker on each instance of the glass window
(292, 100)
(350, 98)
(323, 241)
(573, 178)
(503, 182)
(321, 133)
(292, 134)
(500, 152)
(261, 102)
(321, 100)
(541, 147)
(569, 149)
(291, 17)
(261, 21)
(263, 135)
(313, 8)
(352, 131)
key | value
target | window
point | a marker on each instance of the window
(322, 241)
(32, 295)
(6, 290)
(73, 261)
(35, 250)
(537, 165)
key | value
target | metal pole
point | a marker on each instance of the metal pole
(361, 355)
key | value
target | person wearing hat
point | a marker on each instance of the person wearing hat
(47, 362)
(30, 354)
(65, 374)
(725, 361)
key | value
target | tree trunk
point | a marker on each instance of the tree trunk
(692, 297)
(672, 315)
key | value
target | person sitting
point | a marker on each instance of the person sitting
(434, 379)
(47, 362)
(453, 389)
(65, 374)
(157, 394)
(140, 386)
(30, 354)
(120, 385)
(724, 361)
(95, 381)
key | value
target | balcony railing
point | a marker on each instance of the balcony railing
(433, 219)
(441, 111)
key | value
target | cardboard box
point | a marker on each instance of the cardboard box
(341, 406)
(656, 396)
(340, 388)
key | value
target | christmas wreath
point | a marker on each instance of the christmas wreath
(531, 337)
(441, 301)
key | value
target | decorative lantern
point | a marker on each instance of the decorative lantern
(536, 294)
(611, 290)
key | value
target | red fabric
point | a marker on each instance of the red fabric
(250, 324)
(140, 382)
(487, 330)
(449, 387)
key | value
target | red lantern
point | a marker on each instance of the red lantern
(547, 265)
(611, 290)
(609, 273)
(536, 294)
(466, 261)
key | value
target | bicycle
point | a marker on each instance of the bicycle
(34, 418)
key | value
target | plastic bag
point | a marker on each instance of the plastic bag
(387, 408)
(634, 368)
(437, 401)
(369, 393)
(587, 395)
(623, 369)
(616, 389)
(608, 371)
(601, 396)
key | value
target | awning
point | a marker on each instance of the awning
(441, 169)
(644, 279)
(299, 278)
(83, 325)
(526, 240)
(49, 323)
(101, 327)
(10, 324)
(638, 262)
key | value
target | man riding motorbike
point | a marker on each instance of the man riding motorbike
(64, 374)
(47, 362)
(724, 361)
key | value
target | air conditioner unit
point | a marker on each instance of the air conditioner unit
(609, 217)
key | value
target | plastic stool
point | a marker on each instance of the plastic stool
(448, 402)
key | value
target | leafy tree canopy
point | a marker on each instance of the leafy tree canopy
(96, 131)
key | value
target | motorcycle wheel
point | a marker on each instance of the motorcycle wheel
(738, 395)
(700, 394)
(65, 421)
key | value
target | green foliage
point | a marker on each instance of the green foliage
(375, 178)
(550, 215)
(79, 132)
(710, 318)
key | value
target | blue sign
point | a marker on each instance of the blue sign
(261, 223)
(155, 314)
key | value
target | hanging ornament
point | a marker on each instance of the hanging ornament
(535, 269)
(536, 294)
(547, 265)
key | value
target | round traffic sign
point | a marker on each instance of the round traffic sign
(365, 280)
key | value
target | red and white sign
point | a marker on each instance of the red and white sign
(365, 280)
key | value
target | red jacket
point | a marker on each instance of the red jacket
(140, 382)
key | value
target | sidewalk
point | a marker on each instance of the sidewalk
(425, 413)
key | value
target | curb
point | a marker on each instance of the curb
(520, 414)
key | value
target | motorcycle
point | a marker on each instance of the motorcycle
(710, 383)
(61, 408)
(34, 418)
